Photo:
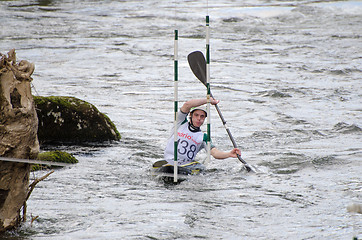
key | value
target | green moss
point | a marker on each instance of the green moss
(67, 102)
(69, 119)
(54, 156)
(113, 126)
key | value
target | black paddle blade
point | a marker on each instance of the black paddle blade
(197, 64)
(159, 164)
(248, 168)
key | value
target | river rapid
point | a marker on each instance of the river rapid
(288, 74)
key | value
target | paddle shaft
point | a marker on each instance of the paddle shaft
(198, 66)
(228, 131)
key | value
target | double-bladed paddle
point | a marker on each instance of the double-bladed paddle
(197, 64)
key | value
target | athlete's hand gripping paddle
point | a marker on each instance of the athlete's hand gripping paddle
(197, 64)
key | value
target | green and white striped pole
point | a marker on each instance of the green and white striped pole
(175, 105)
(208, 88)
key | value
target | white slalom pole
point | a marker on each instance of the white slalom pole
(208, 88)
(175, 169)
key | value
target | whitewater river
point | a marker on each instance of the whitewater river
(288, 74)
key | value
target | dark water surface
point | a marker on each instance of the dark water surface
(288, 74)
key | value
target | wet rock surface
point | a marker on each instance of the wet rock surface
(71, 120)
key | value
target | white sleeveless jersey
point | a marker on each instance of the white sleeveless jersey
(189, 143)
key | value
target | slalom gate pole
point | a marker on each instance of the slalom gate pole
(208, 93)
(175, 169)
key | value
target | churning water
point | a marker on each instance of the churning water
(288, 74)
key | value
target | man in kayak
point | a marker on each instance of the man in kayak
(190, 137)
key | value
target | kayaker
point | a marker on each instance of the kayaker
(190, 137)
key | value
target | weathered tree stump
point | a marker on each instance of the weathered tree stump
(18, 136)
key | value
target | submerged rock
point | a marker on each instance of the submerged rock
(54, 156)
(71, 120)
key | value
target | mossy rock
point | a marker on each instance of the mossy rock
(69, 119)
(54, 156)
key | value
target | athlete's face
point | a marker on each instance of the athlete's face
(198, 118)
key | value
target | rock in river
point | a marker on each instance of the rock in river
(71, 120)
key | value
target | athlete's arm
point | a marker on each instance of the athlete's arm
(186, 107)
(216, 153)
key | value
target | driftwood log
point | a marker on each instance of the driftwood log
(18, 136)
